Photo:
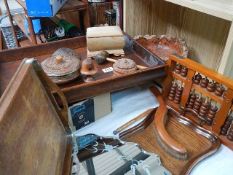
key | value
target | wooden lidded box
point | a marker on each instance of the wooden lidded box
(35, 135)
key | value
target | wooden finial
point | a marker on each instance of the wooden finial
(59, 59)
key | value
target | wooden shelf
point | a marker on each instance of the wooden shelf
(217, 8)
(207, 93)
(19, 20)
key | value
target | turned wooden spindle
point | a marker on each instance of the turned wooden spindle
(184, 72)
(226, 125)
(191, 101)
(211, 114)
(230, 133)
(211, 86)
(204, 82)
(178, 94)
(204, 109)
(178, 68)
(197, 104)
(197, 78)
(219, 90)
(172, 91)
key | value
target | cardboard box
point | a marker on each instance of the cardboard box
(45, 8)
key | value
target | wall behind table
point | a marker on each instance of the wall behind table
(205, 35)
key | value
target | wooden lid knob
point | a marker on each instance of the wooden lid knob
(59, 59)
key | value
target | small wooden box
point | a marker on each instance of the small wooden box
(109, 38)
(35, 135)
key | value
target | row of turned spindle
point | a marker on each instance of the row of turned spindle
(175, 93)
(210, 86)
(204, 82)
(183, 71)
(202, 107)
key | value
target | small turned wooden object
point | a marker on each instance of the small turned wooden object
(88, 69)
(211, 114)
(219, 90)
(226, 125)
(204, 109)
(178, 94)
(178, 68)
(172, 91)
(59, 59)
(197, 104)
(191, 101)
(63, 65)
(204, 82)
(230, 133)
(124, 66)
(184, 72)
(211, 86)
(197, 78)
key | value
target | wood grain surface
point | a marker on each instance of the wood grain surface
(197, 145)
(33, 139)
(205, 35)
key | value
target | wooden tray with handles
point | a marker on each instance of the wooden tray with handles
(104, 82)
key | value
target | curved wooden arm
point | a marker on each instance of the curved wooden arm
(165, 140)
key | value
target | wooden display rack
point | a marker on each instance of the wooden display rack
(224, 101)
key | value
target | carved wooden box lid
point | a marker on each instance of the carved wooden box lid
(63, 65)
(124, 65)
(34, 130)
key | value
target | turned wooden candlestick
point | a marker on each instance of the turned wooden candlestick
(88, 69)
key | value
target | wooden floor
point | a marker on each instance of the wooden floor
(196, 144)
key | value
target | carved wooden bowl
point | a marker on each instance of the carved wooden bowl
(63, 66)
(164, 46)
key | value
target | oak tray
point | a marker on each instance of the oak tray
(77, 89)
(199, 142)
